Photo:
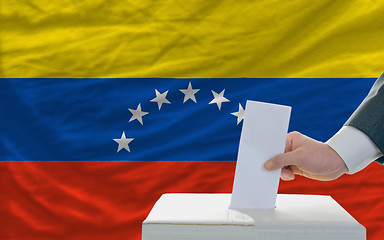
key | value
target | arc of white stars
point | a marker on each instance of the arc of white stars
(189, 93)
(137, 114)
(239, 114)
(123, 142)
(218, 98)
(160, 98)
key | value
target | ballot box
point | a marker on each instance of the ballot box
(208, 217)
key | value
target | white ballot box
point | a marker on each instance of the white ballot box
(208, 217)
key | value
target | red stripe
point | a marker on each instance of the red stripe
(109, 200)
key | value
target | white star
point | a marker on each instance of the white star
(239, 114)
(137, 114)
(160, 98)
(123, 142)
(218, 98)
(189, 93)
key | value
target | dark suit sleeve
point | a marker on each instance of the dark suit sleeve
(369, 116)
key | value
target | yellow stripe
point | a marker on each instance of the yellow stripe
(166, 38)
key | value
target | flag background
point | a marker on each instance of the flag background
(320, 58)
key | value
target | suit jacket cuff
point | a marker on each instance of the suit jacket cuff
(369, 116)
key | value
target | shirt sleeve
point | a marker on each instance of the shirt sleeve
(355, 148)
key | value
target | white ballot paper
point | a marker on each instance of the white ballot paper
(263, 136)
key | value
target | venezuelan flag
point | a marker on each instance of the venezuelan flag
(106, 105)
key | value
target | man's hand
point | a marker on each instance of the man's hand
(307, 157)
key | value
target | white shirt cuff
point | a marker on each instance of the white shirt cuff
(354, 147)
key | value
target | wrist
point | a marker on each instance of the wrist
(340, 167)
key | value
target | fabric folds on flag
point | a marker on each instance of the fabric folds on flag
(106, 105)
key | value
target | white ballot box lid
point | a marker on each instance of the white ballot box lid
(207, 216)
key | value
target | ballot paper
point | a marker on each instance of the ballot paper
(263, 136)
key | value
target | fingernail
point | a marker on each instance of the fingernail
(268, 165)
(286, 176)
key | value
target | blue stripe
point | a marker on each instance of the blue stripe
(77, 119)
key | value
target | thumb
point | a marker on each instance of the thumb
(282, 160)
